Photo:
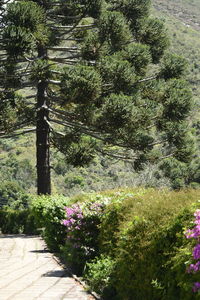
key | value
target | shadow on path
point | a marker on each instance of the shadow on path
(40, 251)
(56, 273)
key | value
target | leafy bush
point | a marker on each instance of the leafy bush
(130, 244)
(17, 221)
(82, 228)
(143, 234)
(109, 228)
(49, 213)
(98, 274)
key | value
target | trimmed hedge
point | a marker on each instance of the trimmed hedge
(17, 221)
(140, 251)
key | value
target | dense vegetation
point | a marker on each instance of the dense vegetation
(127, 244)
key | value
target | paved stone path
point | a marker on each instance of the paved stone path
(28, 271)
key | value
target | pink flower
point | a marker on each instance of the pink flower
(193, 233)
(66, 222)
(197, 214)
(80, 216)
(196, 252)
(69, 211)
(196, 287)
(193, 268)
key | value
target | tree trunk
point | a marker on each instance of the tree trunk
(42, 136)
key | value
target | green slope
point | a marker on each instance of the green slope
(182, 19)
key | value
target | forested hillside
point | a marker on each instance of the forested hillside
(17, 155)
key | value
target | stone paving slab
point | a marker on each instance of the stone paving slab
(29, 272)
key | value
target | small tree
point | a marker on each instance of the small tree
(97, 69)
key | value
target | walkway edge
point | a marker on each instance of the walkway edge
(76, 278)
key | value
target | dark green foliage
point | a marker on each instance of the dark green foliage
(93, 62)
(177, 100)
(139, 57)
(13, 196)
(79, 150)
(25, 27)
(114, 30)
(194, 173)
(91, 47)
(81, 84)
(17, 221)
(116, 112)
(81, 8)
(181, 174)
(27, 15)
(40, 70)
(136, 11)
(118, 72)
(173, 66)
(13, 111)
(154, 35)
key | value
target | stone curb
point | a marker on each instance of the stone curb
(76, 278)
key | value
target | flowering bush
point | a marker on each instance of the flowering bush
(82, 227)
(194, 233)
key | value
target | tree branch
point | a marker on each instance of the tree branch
(67, 49)
(118, 156)
(94, 134)
(17, 134)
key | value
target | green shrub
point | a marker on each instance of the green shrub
(143, 233)
(145, 259)
(109, 228)
(98, 274)
(17, 221)
(138, 246)
(49, 213)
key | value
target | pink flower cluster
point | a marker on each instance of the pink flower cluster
(82, 223)
(196, 287)
(74, 216)
(195, 234)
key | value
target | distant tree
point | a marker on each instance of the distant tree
(98, 69)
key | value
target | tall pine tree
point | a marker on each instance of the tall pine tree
(91, 76)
